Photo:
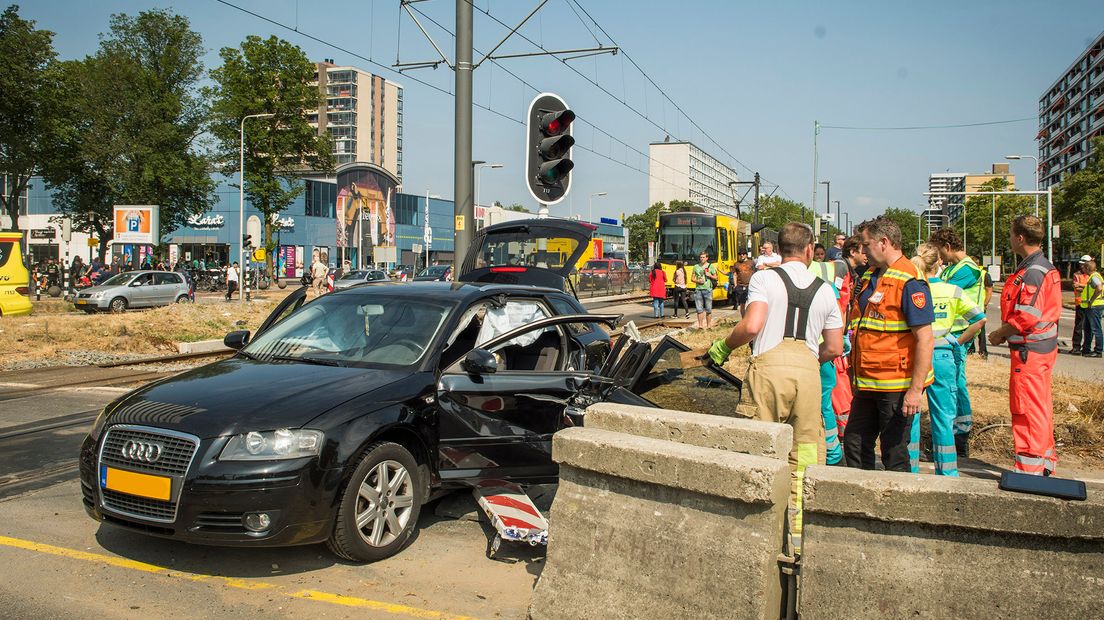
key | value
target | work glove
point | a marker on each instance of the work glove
(719, 352)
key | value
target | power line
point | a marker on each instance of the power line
(920, 127)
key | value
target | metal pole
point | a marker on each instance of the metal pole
(462, 166)
(1036, 161)
(827, 207)
(426, 228)
(816, 132)
(241, 205)
(993, 231)
(1050, 225)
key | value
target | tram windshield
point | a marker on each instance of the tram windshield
(678, 241)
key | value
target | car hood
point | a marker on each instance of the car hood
(100, 289)
(240, 395)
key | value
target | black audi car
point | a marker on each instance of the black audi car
(340, 417)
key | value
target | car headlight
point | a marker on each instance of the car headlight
(279, 444)
(96, 295)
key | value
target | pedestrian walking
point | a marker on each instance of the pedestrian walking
(679, 291)
(705, 279)
(962, 271)
(318, 276)
(957, 321)
(1080, 277)
(1092, 302)
(657, 288)
(793, 325)
(1031, 304)
(231, 281)
(892, 351)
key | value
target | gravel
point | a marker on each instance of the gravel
(83, 357)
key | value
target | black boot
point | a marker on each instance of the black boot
(962, 445)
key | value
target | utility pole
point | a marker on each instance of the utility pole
(462, 168)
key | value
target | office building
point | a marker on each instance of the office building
(682, 171)
(951, 206)
(1071, 113)
(363, 113)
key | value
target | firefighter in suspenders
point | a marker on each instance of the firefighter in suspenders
(1031, 304)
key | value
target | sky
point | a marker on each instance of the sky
(745, 81)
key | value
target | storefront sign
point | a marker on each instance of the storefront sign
(283, 223)
(137, 224)
(43, 233)
(206, 221)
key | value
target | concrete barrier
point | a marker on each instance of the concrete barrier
(647, 528)
(201, 346)
(708, 431)
(892, 545)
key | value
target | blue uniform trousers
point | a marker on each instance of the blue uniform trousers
(964, 412)
(833, 450)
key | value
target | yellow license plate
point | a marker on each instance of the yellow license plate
(81, 302)
(133, 483)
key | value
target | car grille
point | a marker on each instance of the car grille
(175, 457)
(224, 522)
(83, 295)
(133, 505)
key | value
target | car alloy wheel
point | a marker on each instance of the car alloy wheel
(119, 304)
(183, 299)
(379, 505)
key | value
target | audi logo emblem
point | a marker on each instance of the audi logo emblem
(142, 451)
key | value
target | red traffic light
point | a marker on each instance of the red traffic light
(555, 123)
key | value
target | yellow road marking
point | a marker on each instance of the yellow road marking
(309, 595)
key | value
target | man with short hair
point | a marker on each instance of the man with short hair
(891, 356)
(963, 272)
(1092, 302)
(743, 269)
(1080, 277)
(705, 278)
(836, 251)
(231, 281)
(793, 325)
(767, 258)
(1031, 304)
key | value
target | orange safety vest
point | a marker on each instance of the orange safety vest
(1079, 278)
(884, 344)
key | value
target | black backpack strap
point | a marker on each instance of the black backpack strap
(799, 300)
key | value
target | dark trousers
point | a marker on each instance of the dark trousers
(1092, 331)
(877, 416)
(679, 295)
(982, 343)
(231, 288)
(1078, 327)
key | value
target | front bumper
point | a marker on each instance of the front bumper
(88, 302)
(214, 497)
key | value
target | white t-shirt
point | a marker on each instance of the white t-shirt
(232, 274)
(767, 287)
(763, 259)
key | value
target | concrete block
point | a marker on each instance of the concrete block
(894, 545)
(708, 431)
(646, 528)
(202, 346)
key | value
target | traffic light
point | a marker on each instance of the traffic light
(548, 149)
(247, 241)
(823, 226)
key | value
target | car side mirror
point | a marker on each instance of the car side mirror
(236, 339)
(136, 283)
(479, 362)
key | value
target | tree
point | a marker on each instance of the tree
(268, 76)
(133, 121)
(776, 211)
(517, 207)
(981, 236)
(1079, 206)
(642, 227)
(909, 223)
(27, 106)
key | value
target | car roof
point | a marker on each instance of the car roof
(455, 291)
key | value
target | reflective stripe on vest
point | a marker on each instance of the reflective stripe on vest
(975, 293)
(953, 312)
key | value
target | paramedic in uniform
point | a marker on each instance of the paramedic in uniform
(1030, 306)
(793, 324)
(891, 356)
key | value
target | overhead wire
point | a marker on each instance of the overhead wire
(922, 127)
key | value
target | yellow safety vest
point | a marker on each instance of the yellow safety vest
(1089, 297)
(952, 308)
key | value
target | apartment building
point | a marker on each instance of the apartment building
(1071, 112)
(682, 171)
(951, 206)
(363, 113)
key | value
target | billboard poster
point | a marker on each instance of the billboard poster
(298, 262)
(365, 197)
(137, 224)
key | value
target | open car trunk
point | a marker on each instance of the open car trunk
(538, 252)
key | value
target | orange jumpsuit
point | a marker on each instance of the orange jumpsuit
(1032, 303)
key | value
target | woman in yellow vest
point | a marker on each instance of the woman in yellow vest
(957, 321)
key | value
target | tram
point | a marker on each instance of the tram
(686, 234)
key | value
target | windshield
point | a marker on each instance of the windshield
(354, 330)
(435, 270)
(685, 242)
(119, 278)
(596, 264)
(354, 275)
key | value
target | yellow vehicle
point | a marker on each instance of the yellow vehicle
(14, 280)
(686, 234)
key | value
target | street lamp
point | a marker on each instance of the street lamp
(839, 221)
(1036, 160)
(476, 167)
(590, 203)
(847, 227)
(827, 200)
(241, 205)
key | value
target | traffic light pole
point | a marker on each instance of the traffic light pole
(462, 167)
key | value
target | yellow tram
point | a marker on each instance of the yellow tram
(684, 235)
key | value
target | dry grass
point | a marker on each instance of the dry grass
(49, 336)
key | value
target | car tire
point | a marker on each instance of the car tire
(119, 304)
(377, 539)
(182, 299)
